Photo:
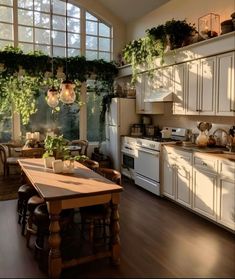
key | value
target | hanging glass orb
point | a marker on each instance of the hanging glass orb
(52, 97)
(67, 94)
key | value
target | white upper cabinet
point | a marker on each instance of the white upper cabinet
(200, 86)
(179, 88)
(144, 86)
(225, 93)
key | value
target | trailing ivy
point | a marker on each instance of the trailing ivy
(23, 75)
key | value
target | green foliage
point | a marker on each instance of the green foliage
(178, 31)
(20, 92)
(146, 49)
(55, 146)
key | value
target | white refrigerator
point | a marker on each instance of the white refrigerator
(119, 117)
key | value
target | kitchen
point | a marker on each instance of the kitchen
(161, 118)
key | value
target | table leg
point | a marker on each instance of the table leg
(115, 229)
(55, 261)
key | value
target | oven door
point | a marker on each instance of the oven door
(128, 165)
(147, 163)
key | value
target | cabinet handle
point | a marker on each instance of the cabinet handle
(204, 164)
(233, 110)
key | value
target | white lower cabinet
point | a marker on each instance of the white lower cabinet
(201, 182)
(177, 172)
(226, 194)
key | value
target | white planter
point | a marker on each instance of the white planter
(48, 162)
(57, 166)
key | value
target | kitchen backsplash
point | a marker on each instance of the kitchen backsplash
(190, 121)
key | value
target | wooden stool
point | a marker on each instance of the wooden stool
(24, 193)
(33, 202)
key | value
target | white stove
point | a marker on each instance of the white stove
(147, 163)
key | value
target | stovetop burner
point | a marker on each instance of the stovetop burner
(160, 139)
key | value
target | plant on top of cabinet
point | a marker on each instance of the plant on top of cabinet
(177, 33)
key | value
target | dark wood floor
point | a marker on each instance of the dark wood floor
(158, 238)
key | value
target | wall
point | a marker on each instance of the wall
(119, 28)
(190, 121)
(180, 9)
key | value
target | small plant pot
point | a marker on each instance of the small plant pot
(57, 166)
(48, 162)
(226, 26)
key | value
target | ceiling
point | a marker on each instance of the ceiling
(128, 10)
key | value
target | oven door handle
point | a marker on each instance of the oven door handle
(152, 152)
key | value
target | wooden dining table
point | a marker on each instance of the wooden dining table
(84, 187)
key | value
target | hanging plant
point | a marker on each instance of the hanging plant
(21, 92)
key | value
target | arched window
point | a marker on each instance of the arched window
(27, 24)
(31, 25)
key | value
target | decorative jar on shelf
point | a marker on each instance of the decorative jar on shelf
(209, 25)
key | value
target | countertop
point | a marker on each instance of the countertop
(219, 152)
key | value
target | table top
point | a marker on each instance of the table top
(51, 186)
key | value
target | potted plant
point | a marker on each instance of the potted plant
(56, 148)
(178, 32)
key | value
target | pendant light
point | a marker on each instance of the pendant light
(52, 93)
(67, 94)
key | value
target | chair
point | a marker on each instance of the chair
(98, 215)
(6, 159)
(91, 164)
(83, 144)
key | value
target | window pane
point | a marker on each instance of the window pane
(26, 47)
(6, 31)
(5, 127)
(91, 55)
(74, 52)
(105, 56)
(59, 23)
(6, 14)
(91, 27)
(59, 51)
(5, 43)
(94, 103)
(42, 36)
(69, 121)
(73, 40)
(42, 20)
(6, 2)
(59, 38)
(42, 5)
(59, 7)
(104, 30)
(25, 4)
(89, 16)
(25, 17)
(25, 34)
(44, 49)
(74, 25)
(104, 44)
(91, 42)
(73, 11)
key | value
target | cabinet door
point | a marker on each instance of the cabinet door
(168, 178)
(226, 202)
(192, 85)
(207, 86)
(225, 104)
(183, 184)
(140, 94)
(204, 193)
(179, 89)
